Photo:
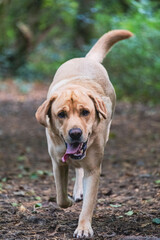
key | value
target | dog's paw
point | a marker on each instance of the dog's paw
(78, 197)
(70, 201)
(83, 232)
(78, 194)
(67, 203)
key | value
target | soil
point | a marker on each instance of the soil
(128, 205)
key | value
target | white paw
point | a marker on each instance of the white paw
(78, 196)
(78, 186)
(83, 232)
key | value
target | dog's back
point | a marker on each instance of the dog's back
(90, 68)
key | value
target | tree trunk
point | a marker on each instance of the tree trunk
(84, 23)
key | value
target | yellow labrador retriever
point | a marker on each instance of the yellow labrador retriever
(77, 115)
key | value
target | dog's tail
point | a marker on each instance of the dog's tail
(103, 45)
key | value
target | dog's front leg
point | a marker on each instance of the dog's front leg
(61, 180)
(90, 183)
(78, 186)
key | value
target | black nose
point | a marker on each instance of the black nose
(75, 133)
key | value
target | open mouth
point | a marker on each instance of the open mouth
(75, 151)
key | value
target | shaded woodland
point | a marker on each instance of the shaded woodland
(36, 38)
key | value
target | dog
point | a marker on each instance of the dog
(77, 115)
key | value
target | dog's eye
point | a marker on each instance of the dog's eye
(62, 114)
(85, 112)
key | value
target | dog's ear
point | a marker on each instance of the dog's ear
(99, 105)
(44, 110)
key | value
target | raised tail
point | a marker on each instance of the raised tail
(103, 45)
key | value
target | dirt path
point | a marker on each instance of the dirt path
(128, 205)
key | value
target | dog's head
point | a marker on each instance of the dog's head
(72, 115)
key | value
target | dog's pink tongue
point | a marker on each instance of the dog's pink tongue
(71, 149)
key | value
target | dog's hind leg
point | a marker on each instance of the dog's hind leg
(78, 186)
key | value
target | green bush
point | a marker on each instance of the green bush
(133, 65)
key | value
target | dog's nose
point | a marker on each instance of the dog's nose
(75, 133)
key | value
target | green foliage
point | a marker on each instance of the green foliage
(133, 65)
(129, 213)
(157, 181)
(156, 220)
(115, 205)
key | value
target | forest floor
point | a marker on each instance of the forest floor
(128, 205)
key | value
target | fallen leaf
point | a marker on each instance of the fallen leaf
(40, 172)
(31, 192)
(120, 216)
(129, 213)
(38, 205)
(38, 198)
(33, 176)
(21, 158)
(156, 220)
(4, 179)
(101, 200)
(157, 181)
(22, 208)
(14, 204)
(20, 175)
(145, 225)
(115, 205)
(19, 193)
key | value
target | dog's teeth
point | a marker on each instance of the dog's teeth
(79, 153)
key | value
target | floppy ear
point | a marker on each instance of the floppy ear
(99, 105)
(43, 111)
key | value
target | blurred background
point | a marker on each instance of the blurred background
(38, 36)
